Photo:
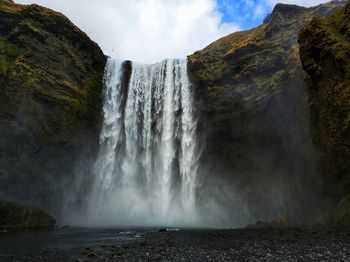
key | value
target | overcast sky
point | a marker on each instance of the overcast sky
(151, 30)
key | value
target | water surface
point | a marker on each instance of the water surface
(62, 244)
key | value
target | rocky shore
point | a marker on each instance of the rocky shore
(234, 245)
(252, 244)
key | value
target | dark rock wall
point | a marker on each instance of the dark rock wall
(253, 105)
(325, 54)
(259, 161)
(50, 104)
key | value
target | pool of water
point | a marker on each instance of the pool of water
(62, 244)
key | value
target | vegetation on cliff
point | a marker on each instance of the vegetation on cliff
(325, 55)
(50, 101)
(17, 216)
(253, 104)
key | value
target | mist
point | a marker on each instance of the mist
(139, 178)
(231, 184)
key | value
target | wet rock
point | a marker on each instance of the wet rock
(325, 56)
(50, 103)
(231, 251)
(253, 101)
(92, 255)
(17, 216)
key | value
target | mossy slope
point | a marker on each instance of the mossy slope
(253, 103)
(325, 55)
(50, 101)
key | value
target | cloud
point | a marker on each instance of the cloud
(151, 30)
(250, 13)
(145, 30)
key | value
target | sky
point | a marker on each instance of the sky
(148, 31)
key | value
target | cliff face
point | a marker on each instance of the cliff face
(325, 54)
(50, 85)
(253, 102)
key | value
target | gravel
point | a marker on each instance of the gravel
(234, 245)
(264, 244)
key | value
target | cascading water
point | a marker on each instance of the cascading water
(146, 170)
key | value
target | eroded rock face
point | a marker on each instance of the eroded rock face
(17, 216)
(50, 102)
(253, 103)
(325, 54)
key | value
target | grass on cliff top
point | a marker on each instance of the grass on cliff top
(9, 6)
(211, 58)
(341, 19)
(337, 27)
(339, 24)
(229, 44)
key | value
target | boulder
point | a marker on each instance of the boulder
(17, 216)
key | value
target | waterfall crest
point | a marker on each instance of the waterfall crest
(146, 170)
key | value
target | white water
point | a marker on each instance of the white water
(146, 171)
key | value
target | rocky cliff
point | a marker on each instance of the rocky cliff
(253, 103)
(259, 161)
(50, 102)
(325, 54)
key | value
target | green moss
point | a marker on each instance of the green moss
(343, 211)
(8, 54)
(338, 35)
(22, 74)
(32, 29)
(341, 19)
(77, 106)
(14, 216)
(93, 83)
(324, 51)
(6, 166)
(9, 6)
(77, 61)
(274, 81)
(338, 25)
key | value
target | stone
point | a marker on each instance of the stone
(17, 216)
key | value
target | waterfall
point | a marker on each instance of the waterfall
(146, 170)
